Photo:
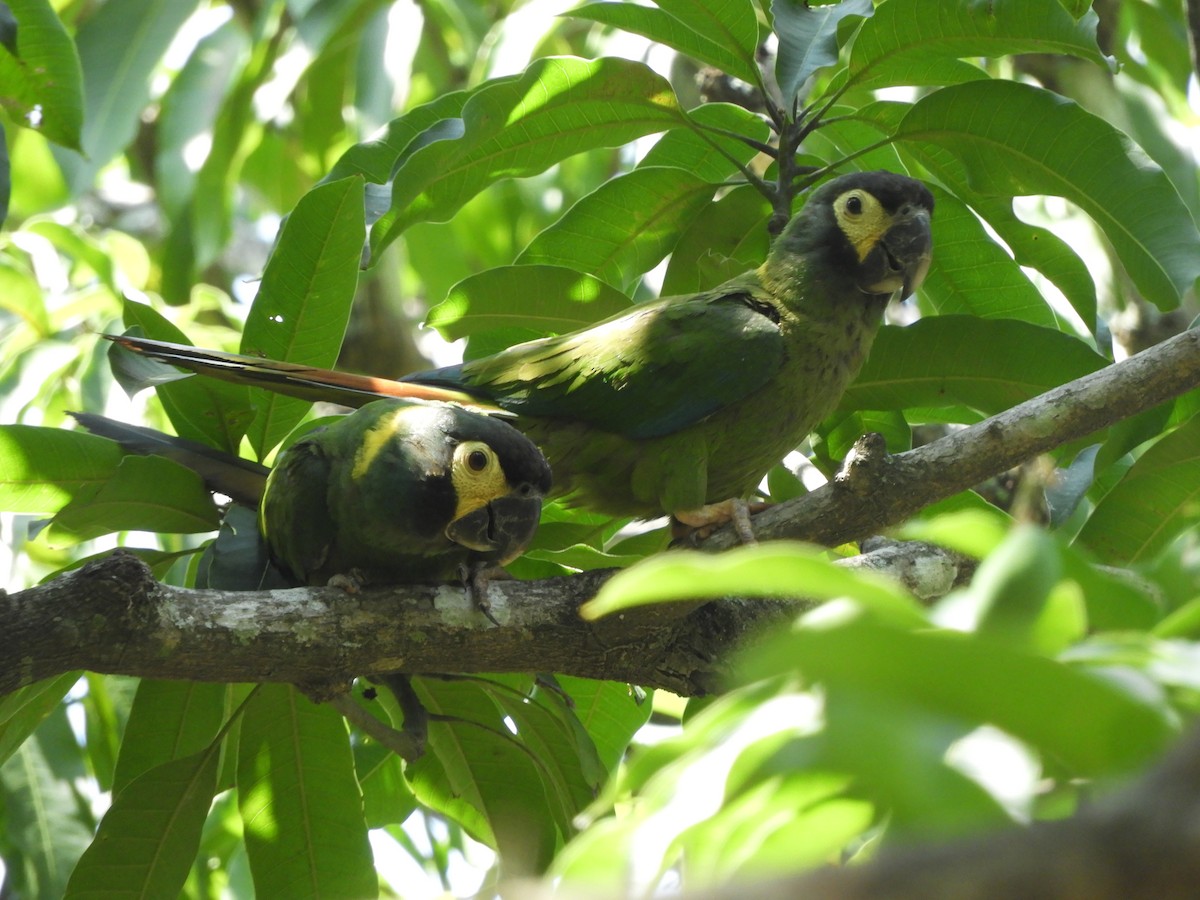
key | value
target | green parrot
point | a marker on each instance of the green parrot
(680, 403)
(394, 492)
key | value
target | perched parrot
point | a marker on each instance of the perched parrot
(682, 402)
(393, 493)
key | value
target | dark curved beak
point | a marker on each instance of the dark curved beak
(903, 254)
(502, 529)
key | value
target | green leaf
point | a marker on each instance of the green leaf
(481, 776)
(23, 710)
(42, 77)
(118, 84)
(972, 274)
(1036, 142)
(625, 227)
(46, 827)
(300, 803)
(168, 720)
(145, 493)
(148, 839)
(898, 45)
(1016, 597)
(779, 569)
(1035, 247)
(1090, 725)
(45, 468)
(729, 23)
(988, 365)
(662, 26)
(711, 151)
(570, 769)
(545, 299)
(1156, 500)
(377, 160)
(610, 712)
(190, 108)
(303, 304)
(213, 412)
(559, 107)
(725, 239)
(808, 39)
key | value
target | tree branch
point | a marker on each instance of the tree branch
(111, 616)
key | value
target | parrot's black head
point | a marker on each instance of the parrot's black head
(499, 479)
(870, 228)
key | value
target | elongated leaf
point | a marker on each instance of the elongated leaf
(513, 128)
(1035, 142)
(303, 305)
(899, 46)
(148, 839)
(986, 364)
(23, 710)
(546, 299)
(778, 569)
(46, 828)
(190, 107)
(570, 769)
(43, 85)
(730, 23)
(808, 39)
(376, 160)
(705, 151)
(213, 412)
(625, 227)
(1032, 246)
(45, 468)
(478, 774)
(610, 712)
(663, 27)
(118, 84)
(1158, 499)
(725, 239)
(168, 720)
(1090, 725)
(300, 803)
(145, 493)
(972, 273)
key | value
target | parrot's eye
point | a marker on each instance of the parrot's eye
(477, 460)
(854, 205)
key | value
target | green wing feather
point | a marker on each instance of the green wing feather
(648, 372)
(296, 498)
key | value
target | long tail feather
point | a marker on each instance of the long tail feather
(295, 380)
(237, 478)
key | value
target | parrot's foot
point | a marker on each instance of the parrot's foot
(697, 524)
(475, 579)
(351, 582)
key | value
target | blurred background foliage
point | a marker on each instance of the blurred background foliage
(315, 178)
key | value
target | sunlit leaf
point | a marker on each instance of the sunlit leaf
(300, 803)
(1036, 142)
(544, 299)
(1158, 498)
(808, 39)
(514, 128)
(777, 569)
(303, 304)
(625, 227)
